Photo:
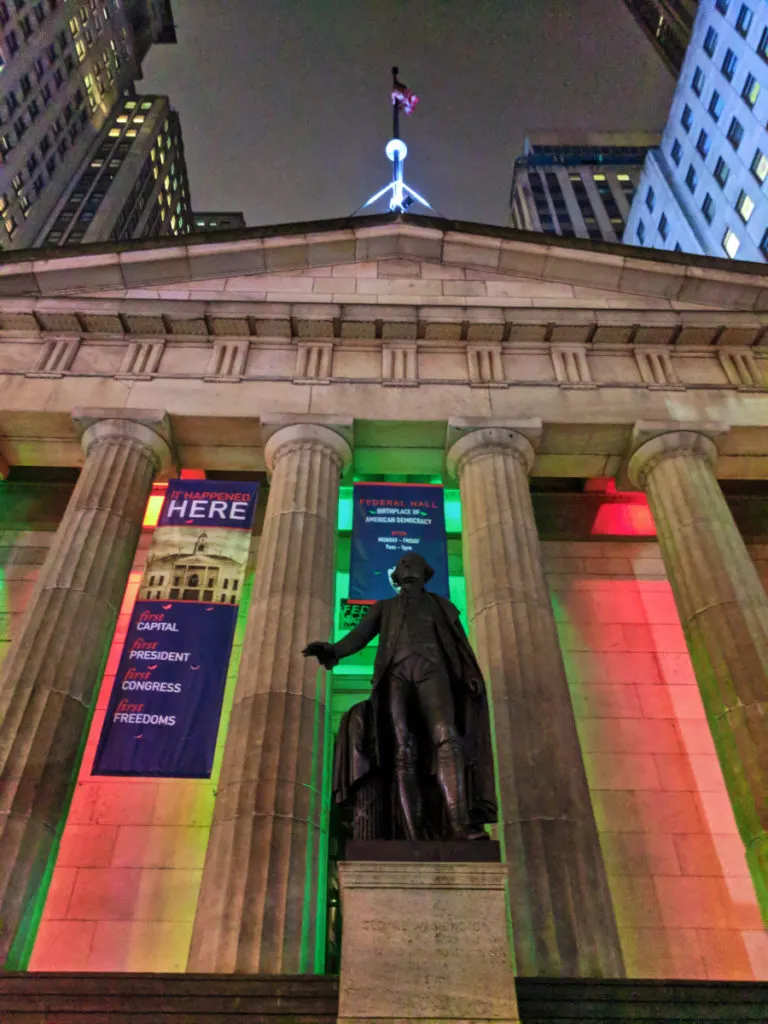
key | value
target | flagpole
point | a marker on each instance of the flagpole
(395, 106)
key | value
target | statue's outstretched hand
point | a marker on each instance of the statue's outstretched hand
(323, 652)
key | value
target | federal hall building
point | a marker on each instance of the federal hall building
(598, 418)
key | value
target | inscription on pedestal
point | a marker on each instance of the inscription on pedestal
(425, 942)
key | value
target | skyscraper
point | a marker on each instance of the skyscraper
(64, 66)
(668, 24)
(135, 184)
(578, 184)
(702, 190)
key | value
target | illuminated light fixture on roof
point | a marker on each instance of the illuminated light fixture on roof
(402, 195)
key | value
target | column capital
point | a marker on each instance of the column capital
(147, 427)
(654, 442)
(467, 441)
(302, 435)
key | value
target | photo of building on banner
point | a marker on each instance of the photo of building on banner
(163, 714)
(388, 520)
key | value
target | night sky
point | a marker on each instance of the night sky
(285, 112)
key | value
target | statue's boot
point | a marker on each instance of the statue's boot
(408, 789)
(450, 776)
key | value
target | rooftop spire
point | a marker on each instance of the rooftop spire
(402, 195)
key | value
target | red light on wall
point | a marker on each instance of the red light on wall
(625, 519)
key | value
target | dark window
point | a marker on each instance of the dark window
(50, 164)
(744, 20)
(710, 41)
(640, 232)
(708, 208)
(735, 133)
(678, 247)
(686, 120)
(26, 26)
(650, 199)
(698, 81)
(691, 178)
(703, 144)
(12, 42)
(729, 64)
(664, 226)
(4, 14)
(722, 170)
(26, 85)
(762, 46)
(751, 91)
(722, 6)
(677, 152)
(716, 105)
(764, 245)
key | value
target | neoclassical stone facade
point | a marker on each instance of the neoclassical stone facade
(379, 347)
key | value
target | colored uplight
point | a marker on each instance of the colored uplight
(625, 519)
(154, 506)
(624, 513)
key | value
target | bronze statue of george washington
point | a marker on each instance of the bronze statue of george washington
(423, 737)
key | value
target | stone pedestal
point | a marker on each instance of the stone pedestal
(724, 612)
(49, 677)
(562, 915)
(424, 943)
(258, 899)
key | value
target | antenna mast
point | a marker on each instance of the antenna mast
(402, 195)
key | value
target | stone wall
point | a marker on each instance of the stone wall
(684, 901)
(125, 886)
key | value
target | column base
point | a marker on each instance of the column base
(425, 943)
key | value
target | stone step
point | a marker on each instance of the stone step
(31, 998)
(596, 1001)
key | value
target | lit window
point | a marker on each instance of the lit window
(650, 199)
(677, 152)
(114, 132)
(640, 232)
(731, 243)
(735, 132)
(698, 81)
(80, 49)
(691, 178)
(708, 208)
(664, 226)
(146, 105)
(703, 144)
(744, 206)
(744, 20)
(716, 105)
(138, 119)
(760, 166)
(173, 221)
(722, 171)
(167, 181)
(686, 119)
(131, 133)
(729, 64)
(130, 104)
(122, 119)
(751, 91)
(96, 163)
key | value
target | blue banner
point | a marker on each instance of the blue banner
(388, 520)
(163, 714)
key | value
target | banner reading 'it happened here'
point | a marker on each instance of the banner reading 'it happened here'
(163, 715)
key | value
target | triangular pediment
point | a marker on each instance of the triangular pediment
(421, 262)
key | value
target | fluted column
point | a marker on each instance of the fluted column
(723, 609)
(562, 915)
(258, 900)
(49, 678)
